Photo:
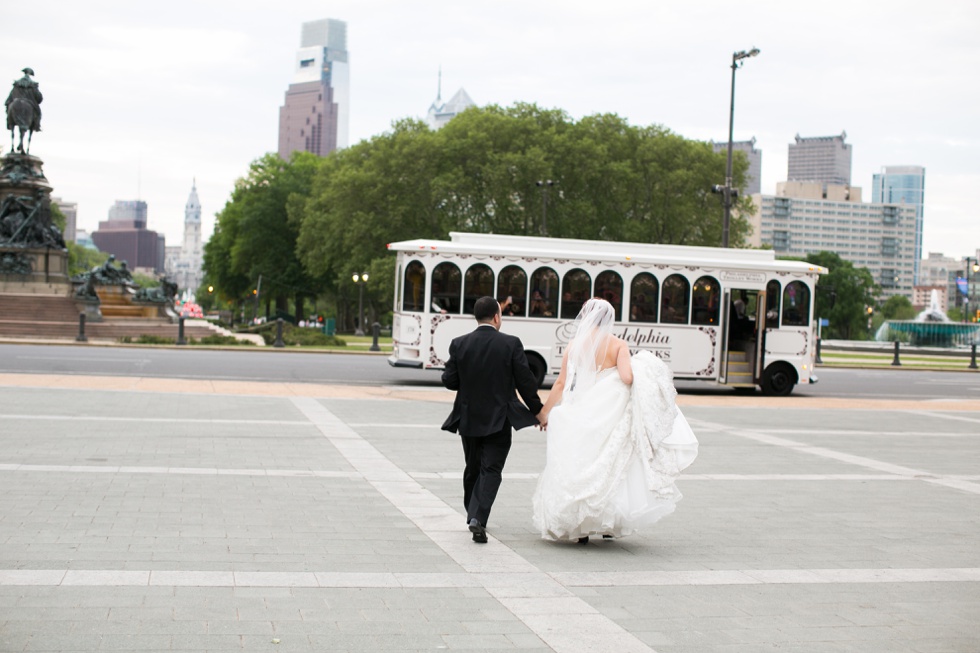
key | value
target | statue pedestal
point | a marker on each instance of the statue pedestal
(32, 271)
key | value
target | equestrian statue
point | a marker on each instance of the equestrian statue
(24, 110)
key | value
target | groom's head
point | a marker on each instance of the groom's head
(487, 311)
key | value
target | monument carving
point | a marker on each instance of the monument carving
(23, 107)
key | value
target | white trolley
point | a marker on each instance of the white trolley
(735, 317)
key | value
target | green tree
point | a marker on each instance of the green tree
(898, 307)
(254, 236)
(82, 259)
(843, 296)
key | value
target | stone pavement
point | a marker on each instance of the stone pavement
(162, 515)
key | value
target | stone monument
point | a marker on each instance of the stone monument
(33, 257)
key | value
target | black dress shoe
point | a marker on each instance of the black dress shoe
(583, 540)
(479, 532)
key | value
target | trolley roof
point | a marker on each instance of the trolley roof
(606, 252)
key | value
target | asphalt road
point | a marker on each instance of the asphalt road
(353, 369)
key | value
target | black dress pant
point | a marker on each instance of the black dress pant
(485, 457)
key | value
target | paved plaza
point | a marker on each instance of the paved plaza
(159, 515)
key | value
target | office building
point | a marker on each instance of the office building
(940, 270)
(184, 261)
(807, 217)
(753, 176)
(903, 185)
(70, 211)
(316, 111)
(441, 112)
(823, 159)
(125, 236)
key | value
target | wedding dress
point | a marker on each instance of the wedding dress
(614, 452)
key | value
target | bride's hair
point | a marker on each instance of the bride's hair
(592, 330)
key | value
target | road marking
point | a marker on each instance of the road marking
(862, 461)
(928, 413)
(561, 619)
(519, 583)
(204, 421)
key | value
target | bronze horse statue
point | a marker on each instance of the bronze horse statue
(24, 110)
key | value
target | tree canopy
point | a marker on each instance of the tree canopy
(843, 296)
(310, 223)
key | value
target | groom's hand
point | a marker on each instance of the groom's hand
(542, 418)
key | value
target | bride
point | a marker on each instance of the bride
(616, 439)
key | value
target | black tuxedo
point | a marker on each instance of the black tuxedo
(487, 369)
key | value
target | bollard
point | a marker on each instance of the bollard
(81, 330)
(818, 360)
(896, 361)
(973, 356)
(279, 342)
(180, 331)
(376, 331)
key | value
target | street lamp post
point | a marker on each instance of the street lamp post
(544, 185)
(360, 280)
(727, 192)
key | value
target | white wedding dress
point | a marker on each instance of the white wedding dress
(614, 452)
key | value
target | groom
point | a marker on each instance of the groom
(485, 367)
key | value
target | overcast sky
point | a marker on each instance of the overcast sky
(141, 98)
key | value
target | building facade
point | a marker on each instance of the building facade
(184, 261)
(940, 270)
(125, 236)
(903, 185)
(804, 217)
(753, 177)
(315, 114)
(823, 159)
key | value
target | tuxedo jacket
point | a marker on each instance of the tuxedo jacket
(487, 369)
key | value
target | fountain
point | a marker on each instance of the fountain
(930, 328)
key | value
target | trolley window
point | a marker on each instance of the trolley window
(544, 293)
(772, 304)
(796, 304)
(609, 286)
(446, 288)
(512, 284)
(706, 299)
(413, 297)
(576, 288)
(478, 283)
(675, 299)
(643, 298)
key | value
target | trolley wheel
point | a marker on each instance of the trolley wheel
(778, 380)
(538, 368)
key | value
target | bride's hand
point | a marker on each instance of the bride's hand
(542, 420)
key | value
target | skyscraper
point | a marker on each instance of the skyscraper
(824, 159)
(125, 236)
(903, 185)
(441, 112)
(314, 116)
(753, 177)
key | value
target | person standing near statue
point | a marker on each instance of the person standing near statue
(26, 88)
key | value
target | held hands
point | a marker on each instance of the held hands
(542, 420)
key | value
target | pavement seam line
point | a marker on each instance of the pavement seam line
(862, 461)
(558, 617)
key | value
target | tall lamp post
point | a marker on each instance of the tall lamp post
(727, 192)
(360, 280)
(975, 268)
(544, 185)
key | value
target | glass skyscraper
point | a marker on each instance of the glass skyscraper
(903, 185)
(315, 114)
